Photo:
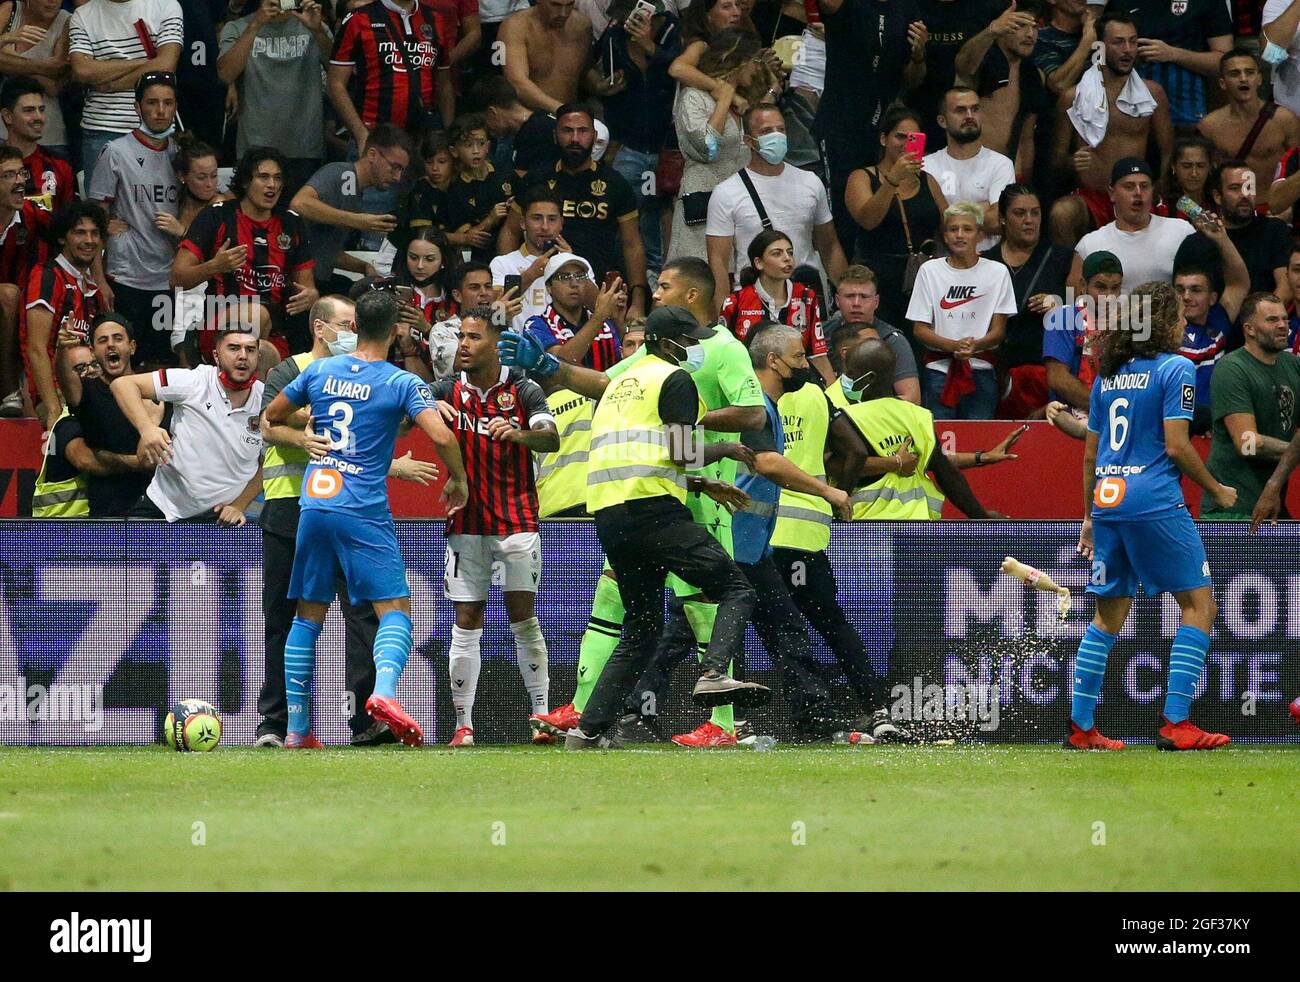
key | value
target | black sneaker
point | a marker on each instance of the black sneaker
(375, 735)
(882, 728)
(635, 728)
(575, 739)
(715, 689)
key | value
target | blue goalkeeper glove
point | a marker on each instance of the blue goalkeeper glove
(523, 351)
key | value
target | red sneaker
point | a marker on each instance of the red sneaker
(706, 736)
(1090, 740)
(557, 722)
(464, 737)
(390, 711)
(1295, 710)
(1187, 736)
(302, 741)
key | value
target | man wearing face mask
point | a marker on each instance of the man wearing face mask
(135, 182)
(767, 193)
(643, 438)
(288, 448)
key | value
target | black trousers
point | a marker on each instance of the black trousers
(644, 541)
(649, 697)
(279, 516)
(811, 584)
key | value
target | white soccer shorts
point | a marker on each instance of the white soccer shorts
(475, 562)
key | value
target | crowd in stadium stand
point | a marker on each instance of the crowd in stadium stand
(978, 184)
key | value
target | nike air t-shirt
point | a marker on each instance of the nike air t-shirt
(960, 303)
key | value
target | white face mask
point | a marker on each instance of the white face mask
(344, 343)
(693, 359)
(1274, 54)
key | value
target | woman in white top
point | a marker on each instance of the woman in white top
(34, 41)
(959, 311)
(708, 132)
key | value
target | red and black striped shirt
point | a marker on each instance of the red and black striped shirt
(22, 244)
(550, 328)
(71, 298)
(277, 249)
(368, 40)
(436, 308)
(49, 178)
(502, 490)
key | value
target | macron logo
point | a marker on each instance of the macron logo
(100, 935)
(958, 295)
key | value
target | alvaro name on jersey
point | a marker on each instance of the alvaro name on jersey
(358, 405)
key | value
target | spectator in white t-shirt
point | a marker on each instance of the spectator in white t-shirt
(959, 310)
(794, 201)
(543, 225)
(1281, 39)
(966, 169)
(1146, 244)
(209, 468)
(111, 44)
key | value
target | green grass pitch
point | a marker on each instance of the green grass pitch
(932, 818)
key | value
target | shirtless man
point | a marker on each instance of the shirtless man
(1014, 33)
(548, 52)
(1090, 207)
(1229, 127)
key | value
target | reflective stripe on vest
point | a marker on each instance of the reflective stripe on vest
(902, 496)
(59, 499)
(283, 467)
(562, 474)
(803, 521)
(886, 424)
(629, 444)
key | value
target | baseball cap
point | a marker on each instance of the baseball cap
(1101, 262)
(562, 259)
(674, 322)
(1129, 165)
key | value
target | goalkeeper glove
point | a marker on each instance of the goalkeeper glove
(522, 351)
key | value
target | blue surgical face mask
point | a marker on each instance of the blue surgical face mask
(849, 386)
(1275, 54)
(162, 135)
(344, 343)
(693, 357)
(772, 147)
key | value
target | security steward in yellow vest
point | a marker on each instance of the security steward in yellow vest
(890, 428)
(643, 436)
(562, 475)
(61, 485)
(283, 466)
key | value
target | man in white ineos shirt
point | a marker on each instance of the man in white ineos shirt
(543, 224)
(209, 468)
(966, 169)
(1146, 244)
(795, 202)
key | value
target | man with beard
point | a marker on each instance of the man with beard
(966, 169)
(209, 468)
(22, 246)
(1253, 394)
(597, 204)
(61, 294)
(120, 477)
(1247, 127)
(1135, 111)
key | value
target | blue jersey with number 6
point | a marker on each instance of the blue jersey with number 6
(1127, 411)
(358, 405)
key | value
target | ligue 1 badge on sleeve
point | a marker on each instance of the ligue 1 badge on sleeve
(283, 241)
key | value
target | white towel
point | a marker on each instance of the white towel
(1090, 112)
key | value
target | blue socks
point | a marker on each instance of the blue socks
(1186, 661)
(392, 645)
(1089, 671)
(299, 666)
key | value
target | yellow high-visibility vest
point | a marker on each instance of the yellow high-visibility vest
(59, 499)
(886, 423)
(562, 475)
(283, 467)
(803, 521)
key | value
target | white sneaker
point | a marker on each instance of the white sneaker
(269, 740)
(12, 405)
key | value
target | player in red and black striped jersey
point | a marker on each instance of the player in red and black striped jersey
(501, 419)
(251, 246)
(61, 296)
(396, 85)
(566, 328)
(22, 246)
(50, 181)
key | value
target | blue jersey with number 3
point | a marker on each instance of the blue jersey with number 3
(358, 405)
(1127, 411)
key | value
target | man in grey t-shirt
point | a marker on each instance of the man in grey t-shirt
(276, 58)
(858, 299)
(135, 181)
(332, 206)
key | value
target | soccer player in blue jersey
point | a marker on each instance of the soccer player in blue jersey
(1140, 532)
(361, 398)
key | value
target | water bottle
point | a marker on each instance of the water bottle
(852, 738)
(763, 743)
(1190, 208)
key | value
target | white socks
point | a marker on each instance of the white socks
(463, 663)
(530, 652)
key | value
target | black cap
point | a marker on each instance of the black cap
(1129, 165)
(1102, 262)
(674, 322)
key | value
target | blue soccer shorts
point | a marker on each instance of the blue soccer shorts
(365, 548)
(1162, 555)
